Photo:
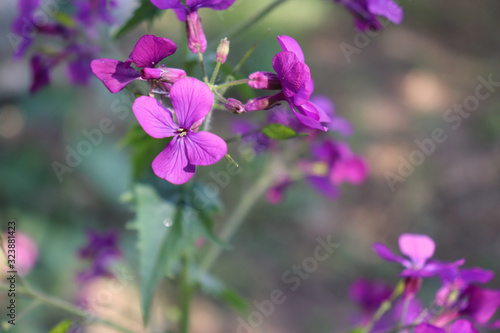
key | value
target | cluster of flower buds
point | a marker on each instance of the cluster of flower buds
(72, 38)
(460, 305)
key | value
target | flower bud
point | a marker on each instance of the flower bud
(222, 51)
(263, 103)
(163, 73)
(195, 35)
(264, 80)
(235, 106)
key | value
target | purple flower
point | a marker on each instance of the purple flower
(89, 11)
(147, 53)
(251, 135)
(192, 101)
(40, 69)
(189, 14)
(419, 249)
(369, 296)
(479, 304)
(102, 249)
(293, 78)
(275, 194)
(336, 123)
(459, 326)
(455, 281)
(366, 12)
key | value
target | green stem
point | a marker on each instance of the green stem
(215, 73)
(245, 204)
(186, 295)
(202, 64)
(384, 307)
(232, 84)
(63, 305)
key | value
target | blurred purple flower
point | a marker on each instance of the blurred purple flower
(147, 53)
(91, 11)
(419, 249)
(459, 326)
(293, 78)
(455, 280)
(369, 296)
(366, 12)
(40, 69)
(251, 135)
(192, 101)
(275, 194)
(101, 249)
(337, 123)
(479, 304)
(189, 13)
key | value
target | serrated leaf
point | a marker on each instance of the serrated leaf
(145, 11)
(214, 287)
(152, 216)
(62, 327)
(278, 132)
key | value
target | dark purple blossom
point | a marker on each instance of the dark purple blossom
(459, 326)
(369, 296)
(479, 304)
(189, 13)
(192, 101)
(367, 12)
(102, 250)
(89, 12)
(147, 53)
(293, 78)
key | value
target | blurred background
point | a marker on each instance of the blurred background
(396, 88)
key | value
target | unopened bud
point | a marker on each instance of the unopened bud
(264, 80)
(163, 73)
(222, 51)
(263, 103)
(235, 106)
(195, 35)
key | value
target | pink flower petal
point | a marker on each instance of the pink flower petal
(213, 4)
(154, 118)
(172, 163)
(192, 101)
(113, 73)
(289, 44)
(463, 326)
(150, 50)
(418, 247)
(387, 8)
(290, 72)
(176, 5)
(204, 148)
(385, 253)
(428, 328)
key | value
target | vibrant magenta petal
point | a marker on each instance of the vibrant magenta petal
(154, 118)
(113, 73)
(304, 94)
(481, 303)
(308, 116)
(417, 247)
(387, 8)
(323, 186)
(290, 71)
(213, 4)
(353, 170)
(289, 44)
(463, 326)
(195, 34)
(192, 101)
(428, 328)
(172, 163)
(204, 148)
(150, 50)
(476, 274)
(385, 253)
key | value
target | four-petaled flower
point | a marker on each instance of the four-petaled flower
(192, 101)
(189, 13)
(147, 53)
(293, 78)
(366, 12)
(419, 249)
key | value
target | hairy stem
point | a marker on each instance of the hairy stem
(232, 84)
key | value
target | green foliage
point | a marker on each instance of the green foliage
(144, 149)
(215, 288)
(279, 132)
(167, 231)
(145, 12)
(62, 327)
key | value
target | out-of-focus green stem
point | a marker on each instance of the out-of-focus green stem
(384, 307)
(186, 295)
(245, 204)
(62, 305)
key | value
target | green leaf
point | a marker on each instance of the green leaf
(62, 327)
(207, 224)
(146, 11)
(143, 147)
(279, 132)
(152, 216)
(214, 287)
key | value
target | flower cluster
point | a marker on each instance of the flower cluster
(71, 38)
(460, 305)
